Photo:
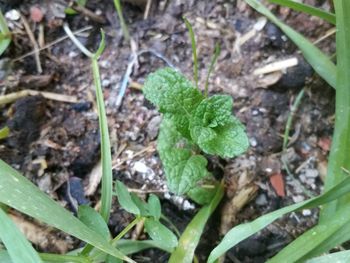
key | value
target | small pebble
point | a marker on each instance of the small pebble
(253, 142)
(36, 14)
(298, 198)
(13, 15)
(261, 200)
(306, 212)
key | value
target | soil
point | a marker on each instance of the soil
(56, 144)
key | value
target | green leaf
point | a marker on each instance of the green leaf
(160, 233)
(173, 93)
(5, 257)
(5, 42)
(243, 231)
(329, 17)
(317, 59)
(202, 195)
(141, 205)
(93, 220)
(125, 199)
(18, 247)
(183, 168)
(19, 193)
(106, 158)
(134, 246)
(342, 256)
(215, 130)
(339, 158)
(4, 132)
(317, 240)
(154, 206)
(189, 240)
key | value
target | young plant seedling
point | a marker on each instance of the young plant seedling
(192, 123)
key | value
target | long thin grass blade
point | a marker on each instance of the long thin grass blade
(19, 193)
(339, 160)
(106, 159)
(190, 238)
(18, 247)
(194, 51)
(329, 17)
(6, 40)
(317, 240)
(243, 231)
(317, 59)
(343, 256)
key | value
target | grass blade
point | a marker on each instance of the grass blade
(190, 238)
(317, 59)
(19, 193)
(241, 232)
(4, 42)
(329, 17)
(339, 159)
(194, 50)
(317, 240)
(125, 30)
(18, 247)
(106, 158)
(343, 256)
(211, 67)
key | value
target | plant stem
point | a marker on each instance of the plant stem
(194, 51)
(121, 19)
(126, 229)
(211, 67)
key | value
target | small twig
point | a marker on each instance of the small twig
(132, 61)
(9, 98)
(34, 43)
(120, 162)
(140, 191)
(89, 14)
(52, 43)
(148, 7)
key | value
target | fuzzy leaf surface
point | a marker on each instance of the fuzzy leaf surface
(174, 95)
(216, 130)
(183, 168)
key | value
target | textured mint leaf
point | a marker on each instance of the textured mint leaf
(183, 168)
(213, 111)
(174, 95)
(216, 130)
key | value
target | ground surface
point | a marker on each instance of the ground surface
(56, 144)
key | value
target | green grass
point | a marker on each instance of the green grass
(125, 30)
(329, 17)
(5, 34)
(194, 51)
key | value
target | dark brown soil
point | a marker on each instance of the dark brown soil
(56, 144)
